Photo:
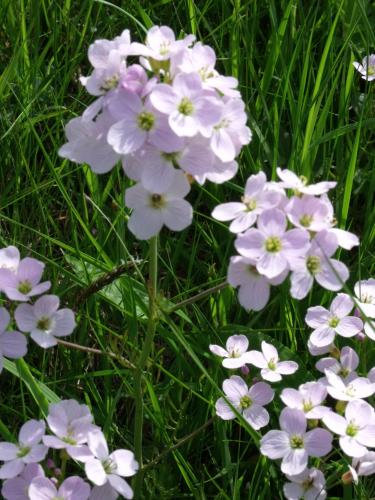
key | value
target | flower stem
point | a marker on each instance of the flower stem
(197, 297)
(146, 349)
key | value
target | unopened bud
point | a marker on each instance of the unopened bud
(245, 370)
(347, 477)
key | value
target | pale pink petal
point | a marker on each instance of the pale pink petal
(164, 99)
(65, 323)
(275, 444)
(257, 416)
(11, 469)
(126, 137)
(235, 387)
(74, 488)
(261, 393)
(46, 305)
(272, 222)
(228, 211)
(366, 436)
(243, 222)
(293, 491)
(125, 462)
(286, 367)
(8, 451)
(351, 447)
(37, 453)
(318, 442)
(223, 410)
(270, 375)
(292, 398)
(254, 294)
(25, 318)
(336, 423)
(333, 275)
(257, 359)
(237, 343)
(271, 264)
(322, 336)
(219, 351)
(13, 344)
(42, 488)
(349, 326)
(178, 215)
(43, 339)
(342, 305)
(120, 485)
(98, 444)
(250, 244)
(294, 462)
(293, 421)
(269, 351)
(95, 472)
(31, 432)
(317, 316)
(145, 222)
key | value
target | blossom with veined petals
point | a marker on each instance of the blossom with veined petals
(336, 320)
(345, 367)
(105, 467)
(293, 444)
(255, 200)
(356, 429)
(358, 388)
(235, 352)
(308, 399)
(72, 488)
(290, 180)
(190, 110)
(17, 487)
(271, 245)
(24, 283)
(254, 288)
(367, 68)
(308, 485)
(28, 450)
(164, 206)
(268, 361)
(247, 401)
(308, 212)
(45, 321)
(317, 265)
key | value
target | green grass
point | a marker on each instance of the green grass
(308, 110)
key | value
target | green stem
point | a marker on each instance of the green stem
(146, 350)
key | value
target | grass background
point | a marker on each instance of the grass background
(308, 110)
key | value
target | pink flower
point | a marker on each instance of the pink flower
(17, 487)
(12, 344)
(70, 422)
(345, 368)
(293, 444)
(161, 44)
(308, 399)
(25, 282)
(247, 401)
(164, 206)
(187, 105)
(230, 132)
(254, 288)
(87, 141)
(358, 388)
(317, 264)
(268, 361)
(291, 181)
(137, 123)
(45, 321)
(308, 485)
(235, 353)
(367, 68)
(271, 245)
(73, 488)
(308, 212)
(256, 199)
(105, 467)
(28, 450)
(356, 430)
(327, 324)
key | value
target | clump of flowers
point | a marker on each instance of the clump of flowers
(166, 113)
(20, 281)
(73, 432)
(270, 251)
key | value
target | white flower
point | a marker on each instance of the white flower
(235, 354)
(164, 206)
(268, 361)
(105, 467)
(367, 68)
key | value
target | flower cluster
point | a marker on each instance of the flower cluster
(74, 434)
(166, 113)
(316, 410)
(247, 401)
(20, 281)
(294, 235)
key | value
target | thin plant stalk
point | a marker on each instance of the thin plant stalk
(146, 350)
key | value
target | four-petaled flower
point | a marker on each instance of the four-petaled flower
(268, 361)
